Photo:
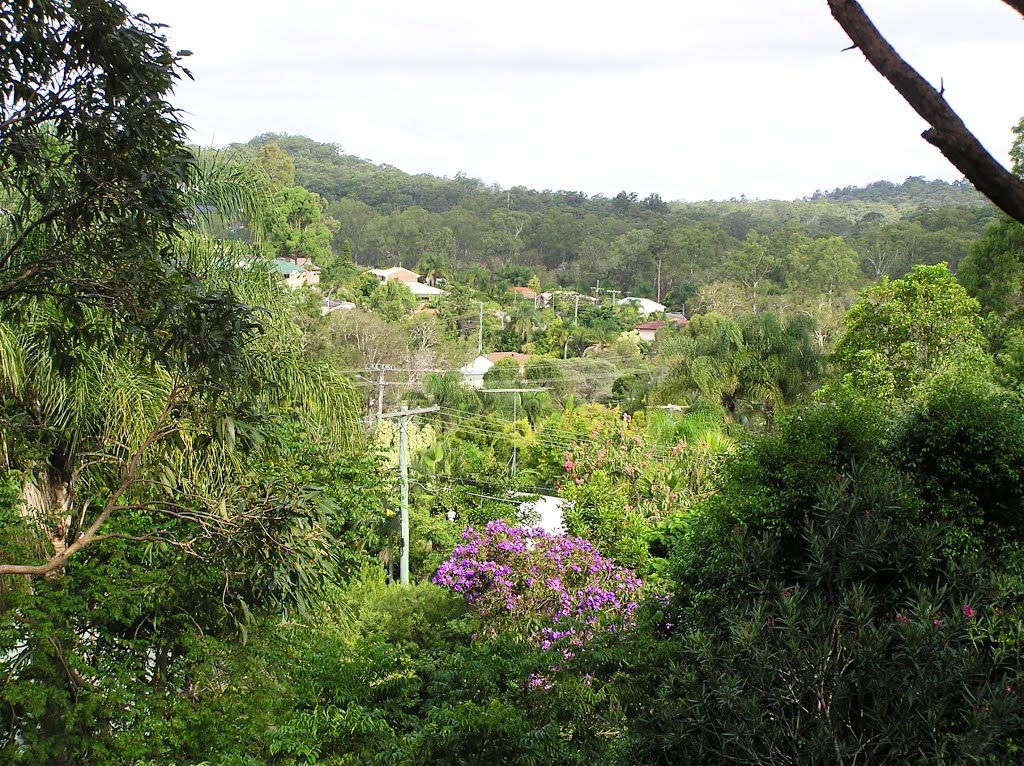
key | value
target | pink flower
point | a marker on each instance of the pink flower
(968, 611)
(937, 623)
(902, 619)
(568, 465)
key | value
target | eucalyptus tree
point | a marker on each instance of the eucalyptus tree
(901, 334)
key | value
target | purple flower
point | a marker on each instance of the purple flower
(521, 577)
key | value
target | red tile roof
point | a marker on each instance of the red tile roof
(497, 356)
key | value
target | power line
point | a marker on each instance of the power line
(465, 480)
(555, 363)
(466, 421)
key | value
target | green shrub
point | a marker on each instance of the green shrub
(962, 444)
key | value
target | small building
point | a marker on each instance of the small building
(473, 373)
(648, 330)
(330, 305)
(410, 279)
(645, 305)
(548, 510)
(499, 356)
(395, 274)
(304, 274)
(526, 293)
(422, 291)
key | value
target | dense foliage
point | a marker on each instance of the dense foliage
(817, 478)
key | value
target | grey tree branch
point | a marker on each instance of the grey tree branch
(948, 132)
(1017, 5)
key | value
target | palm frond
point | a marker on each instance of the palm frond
(229, 188)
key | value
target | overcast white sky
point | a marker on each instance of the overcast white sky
(690, 99)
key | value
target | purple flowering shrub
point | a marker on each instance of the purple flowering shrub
(556, 592)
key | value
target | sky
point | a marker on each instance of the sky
(690, 100)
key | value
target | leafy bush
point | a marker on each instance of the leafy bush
(849, 637)
(963, 445)
(767, 489)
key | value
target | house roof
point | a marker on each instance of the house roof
(646, 305)
(478, 366)
(527, 292)
(396, 273)
(657, 324)
(498, 356)
(285, 267)
(422, 290)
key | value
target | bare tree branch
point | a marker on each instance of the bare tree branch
(948, 132)
(1017, 5)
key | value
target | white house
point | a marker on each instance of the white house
(645, 305)
(473, 373)
(423, 291)
(549, 511)
(408, 278)
(297, 274)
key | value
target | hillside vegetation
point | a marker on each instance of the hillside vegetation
(255, 511)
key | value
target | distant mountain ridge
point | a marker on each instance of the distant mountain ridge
(327, 170)
(915, 190)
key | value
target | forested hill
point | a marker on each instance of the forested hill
(728, 256)
(915, 191)
(325, 169)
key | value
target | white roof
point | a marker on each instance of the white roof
(646, 305)
(417, 288)
(478, 366)
(329, 305)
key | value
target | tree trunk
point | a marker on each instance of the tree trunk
(47, 503)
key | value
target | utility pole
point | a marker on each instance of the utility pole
(404, 415)
(515, 414)
(380, 369)
(576, 310)
(480, 331)
(614, 293)
(597, 291)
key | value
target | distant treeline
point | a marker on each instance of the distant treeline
(681, 253)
